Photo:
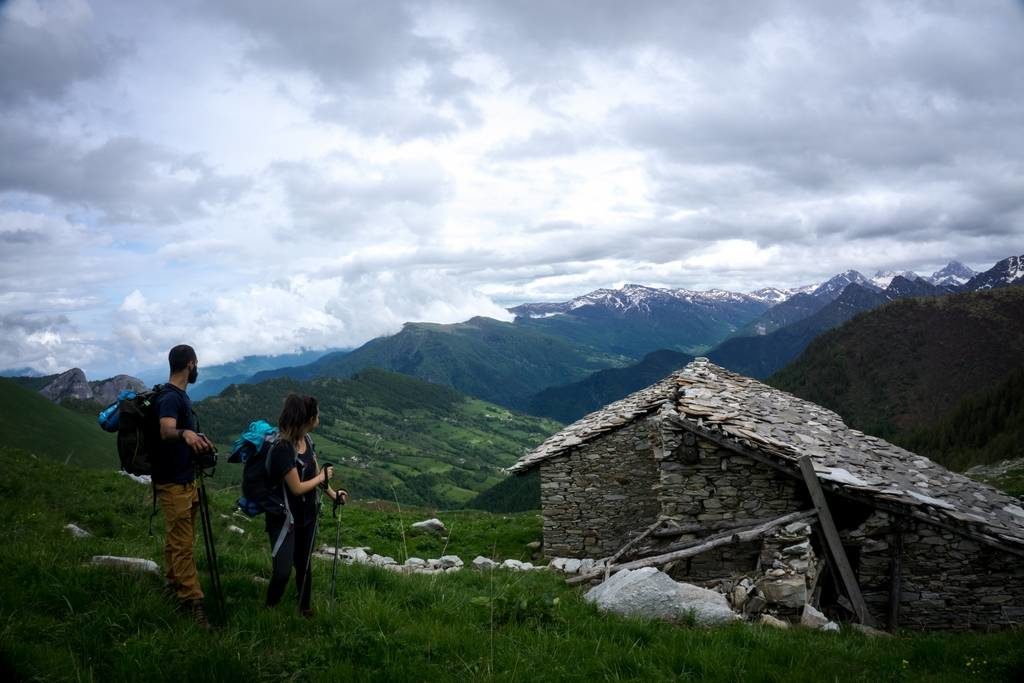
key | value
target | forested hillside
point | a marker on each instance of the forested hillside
(938, 374)
(393, 436)
(570, 402)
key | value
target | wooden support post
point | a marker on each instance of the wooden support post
(835, 546)
(895, 577)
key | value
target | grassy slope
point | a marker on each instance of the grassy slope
(911, 363)
(432, 444)
(65, 621)
(29, 421)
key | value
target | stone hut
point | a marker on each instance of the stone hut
(692, 470)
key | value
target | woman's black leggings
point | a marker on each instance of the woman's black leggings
(294, 552)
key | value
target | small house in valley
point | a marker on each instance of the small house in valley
(716, 477)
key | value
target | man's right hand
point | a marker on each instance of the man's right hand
(198, 444)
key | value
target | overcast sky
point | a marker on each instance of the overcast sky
(257, 177)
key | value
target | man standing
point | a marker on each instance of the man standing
(174, 478)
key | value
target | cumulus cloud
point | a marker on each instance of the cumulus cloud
(46, 47)
(260, 177)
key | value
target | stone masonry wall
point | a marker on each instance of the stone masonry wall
(701, 482)
(948, 581)
(596, 495)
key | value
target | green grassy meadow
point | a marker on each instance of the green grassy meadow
(61, 620)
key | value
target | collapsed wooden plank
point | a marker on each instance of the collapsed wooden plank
(697, 527)
(832, 540)
(621, 551)
(699, 547)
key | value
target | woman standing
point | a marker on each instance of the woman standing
(293, 460)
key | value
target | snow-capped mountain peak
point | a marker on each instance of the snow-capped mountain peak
(834, 286)
(953, 274)
(882, 279)
(1009, 271)
(771, 295)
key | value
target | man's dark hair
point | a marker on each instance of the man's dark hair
(297, 412)
(179, 357)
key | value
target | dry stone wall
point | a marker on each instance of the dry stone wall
(702, 482)
(594, 496)
(948, 581)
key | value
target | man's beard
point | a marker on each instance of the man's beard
(193, 375)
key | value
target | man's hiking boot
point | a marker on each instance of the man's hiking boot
(195, 609)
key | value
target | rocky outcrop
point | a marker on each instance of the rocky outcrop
(70, 384)
(105, 391)
(73, 384)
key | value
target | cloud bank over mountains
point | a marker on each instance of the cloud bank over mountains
(259, 177)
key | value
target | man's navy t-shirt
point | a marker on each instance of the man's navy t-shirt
(174, 465)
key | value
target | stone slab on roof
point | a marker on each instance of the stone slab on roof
(709, 399)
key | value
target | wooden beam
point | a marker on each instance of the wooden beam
(697, 527)
(835, 545)
(895, 577)
(699, 547)
(621, 551)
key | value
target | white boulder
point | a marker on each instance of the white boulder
(135, 564)
(450, 561)
(652, 594)
(481, 562)
(77, 531)
(432, 525)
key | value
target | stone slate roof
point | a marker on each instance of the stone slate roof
(712, 400)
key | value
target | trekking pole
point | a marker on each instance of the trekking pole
(337, 542)
(309, 556)
(211, 549)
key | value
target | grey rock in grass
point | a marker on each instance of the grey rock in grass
(432, 525)
(830, 627)
(788, 591)
(415, 562)
(137, 478)
(449, 561)
(381, 560)
(236, 530)
(572, 566)
(739, 596)
(481, 562)
(869, 631)
(774, 622)
(514, 565)
(135, 564)
(812, 618)
(652, 594)
(77, 531)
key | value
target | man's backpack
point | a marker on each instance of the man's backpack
(136, 419)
